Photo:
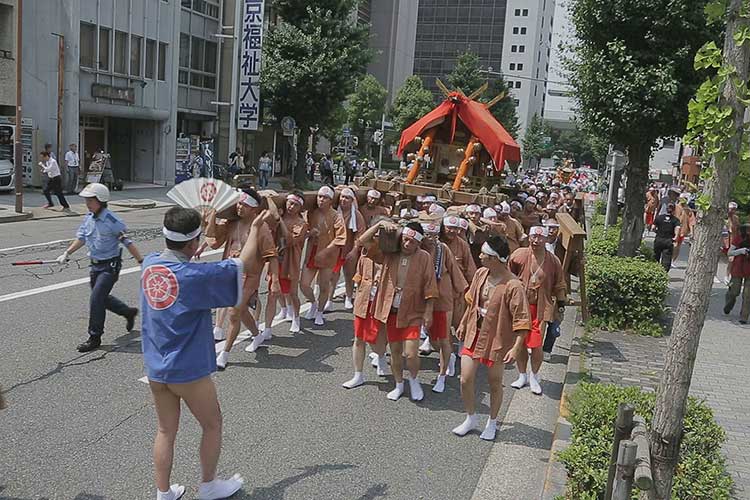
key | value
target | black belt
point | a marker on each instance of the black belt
(105, 261)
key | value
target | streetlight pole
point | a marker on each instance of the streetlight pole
(382, 140)
(18, 134)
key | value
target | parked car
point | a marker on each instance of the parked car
(7, 175)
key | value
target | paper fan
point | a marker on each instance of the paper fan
(204, 194)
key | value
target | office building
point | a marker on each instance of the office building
(559, 108)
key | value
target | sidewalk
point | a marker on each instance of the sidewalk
(719, 377)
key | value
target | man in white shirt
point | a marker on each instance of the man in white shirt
(72, 163)
(50, 167)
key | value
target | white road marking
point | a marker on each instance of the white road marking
(32, 245)
(246, 335)
(79, 281)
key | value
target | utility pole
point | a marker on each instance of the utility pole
(17, 136)
(60, 90)
(382, 140)
(237, 40)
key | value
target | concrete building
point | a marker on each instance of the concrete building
(7, 57)
(559, 108)
(526, 55)
(665, 159)
(119, 93)
(393, 34)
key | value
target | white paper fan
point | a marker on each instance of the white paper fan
(203, 194)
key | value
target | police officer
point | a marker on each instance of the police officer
(667, 228)
(102, 232)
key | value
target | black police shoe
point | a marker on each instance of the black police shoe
(92, 343)
(130, 317)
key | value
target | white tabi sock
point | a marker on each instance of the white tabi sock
(220, 488)
(328, 306)
(521, 381)
(355, 381)
(534, 383)
(289, 313)
(374, 359)
(451, 370)
(312, 311)
(423, 334)
(281, 316)
(467, 426)
(415, 390)
(488, 434)
(295, 325)
(382, 366)
(174, 493)
(319, 319)
(267, 334)
(426, 346)
(348, 305)
(219, 334)
(256, 342)
(397, 392)
(440, 384)
(222, 359)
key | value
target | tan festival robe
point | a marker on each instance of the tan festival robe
(366, 277)
(461, 251)
(451, 285)
(507, 316)
(529, 220)
(419, 287)
(368, 213)
(351, 236)
(234, 235)
(296, 229)
(514, 233)
(550, 281)
(332, 231)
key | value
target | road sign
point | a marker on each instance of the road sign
(287, 126)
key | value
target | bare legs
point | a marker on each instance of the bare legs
(469, 368)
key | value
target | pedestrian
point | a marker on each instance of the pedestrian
(405, 300)
(739, 270)
(541, 274)
(733, 224)
(177, 297)
(236, 162)
(310, 165)
(51, 169)
(264, 169)
(350, 170)
(72, 164)
(667, 229)
(103, 233)
(493, 328)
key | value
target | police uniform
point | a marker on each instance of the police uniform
(176, 299)
(103, 233)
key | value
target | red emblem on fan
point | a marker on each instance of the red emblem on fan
(160, 287)
(208, 191)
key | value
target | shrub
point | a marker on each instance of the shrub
(600, 206)
(626, 293)
(701, 471)
(603, 242)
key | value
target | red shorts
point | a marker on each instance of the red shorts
(310, 264)
(650, 218)
(439, 328)
(534, 337)
(285, 284)
(679, 241)
(396, 334)
(469, 351)
(366, 329)
(339, 262)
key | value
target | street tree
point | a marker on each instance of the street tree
(630, 66)
(716, 124)
(578, 144)
(311, 60)
(365, 108)
(534, 141)
(465, 75)
(411, 103)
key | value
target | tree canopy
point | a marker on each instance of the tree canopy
(365, 107)
(534, 141)
(411, 103)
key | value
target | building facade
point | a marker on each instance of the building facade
(559, 108)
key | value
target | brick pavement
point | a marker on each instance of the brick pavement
(720, 375)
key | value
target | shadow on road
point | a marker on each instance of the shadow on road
(277, 491)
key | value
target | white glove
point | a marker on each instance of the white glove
(62, 259)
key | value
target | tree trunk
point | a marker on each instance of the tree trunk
(612, 201)
(671, 398)
(635, 199)
(300, 178)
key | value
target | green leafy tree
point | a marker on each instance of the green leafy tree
(534, 141)
(411, 103)
(632, 74)
(717, 125)
(583, 147)
(365, 109)
(465, 75)
(311, 60)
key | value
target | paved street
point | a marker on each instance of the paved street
(81, 425)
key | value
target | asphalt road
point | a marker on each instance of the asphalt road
(81, 425)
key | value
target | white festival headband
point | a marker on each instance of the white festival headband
(452, 221)
(295, 199)
(429, 227)
(487, 250)
(474, 208)
(347, 192)
(326, 191)
(372, 193)
(175, 236)
(412, 234)
(539, 231)
(249, 201)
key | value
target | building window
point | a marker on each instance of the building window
(196, 53)
(184, 50)
(509, 83)
(515, 30)
(88, 45)
(668, 144)
(519, 66)
(518, 85)
(162, 61)
(514, 48)
(209, 8)
(525, 12)
(135, 55)
(104, 46)
(150, 58)
(516, 102)
(121, 52)
(517, 12)
(523, 31)
(183, 77)
(536, 89)
(512, 66)
(522, 48)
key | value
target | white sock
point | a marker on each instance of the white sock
(328, 306)
(219, 333)
(440, 384)
(451, 370)
(397, 392)
(488, 434)
(281, 315)
(348, 303)
(175, 491)
(295, 325)
(289, 313)
(468, 425)
(222, 359)
(521, 381)
(382, 366)
(220, 488)
(536, 388)
(256, 342)
(426, 346)
(312, 311)
(319, 319)
(415, 390)
(423, 332)
(374, 359)
(267, 333)
(355, 381)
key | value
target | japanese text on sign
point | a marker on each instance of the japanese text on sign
(250, 64)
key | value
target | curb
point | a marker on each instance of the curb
(556, 478)
(120, 206)
(15, 217)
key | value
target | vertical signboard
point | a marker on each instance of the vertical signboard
(248, 114)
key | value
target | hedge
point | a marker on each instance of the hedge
(701, 472)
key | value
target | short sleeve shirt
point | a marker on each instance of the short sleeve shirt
(102, 234)
(665, 225)
(176, 299)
